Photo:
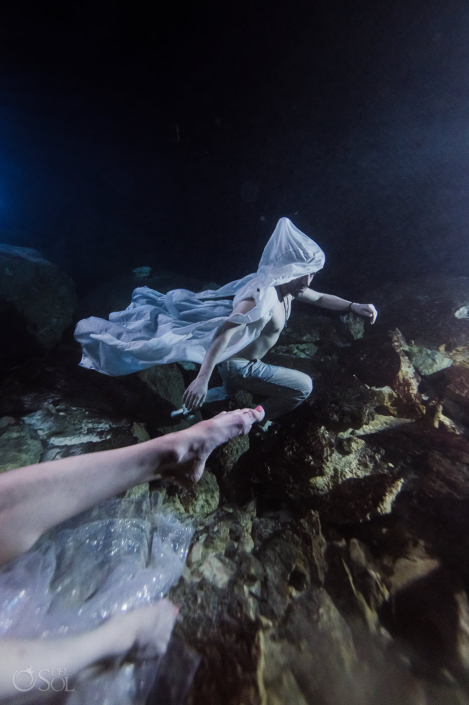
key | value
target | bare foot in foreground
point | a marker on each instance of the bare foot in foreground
(193, 445)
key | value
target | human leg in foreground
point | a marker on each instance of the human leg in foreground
(35, 498)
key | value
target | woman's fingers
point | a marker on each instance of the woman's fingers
(192, 400)
(197, 401)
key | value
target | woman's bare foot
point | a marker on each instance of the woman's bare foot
(193, 445)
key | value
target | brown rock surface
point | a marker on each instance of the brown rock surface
(458, 384)
(381, 361)
(359, 499)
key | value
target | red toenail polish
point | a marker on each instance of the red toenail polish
(259, 408)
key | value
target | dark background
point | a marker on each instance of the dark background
(176, 135)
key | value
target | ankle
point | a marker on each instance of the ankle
(167, 453)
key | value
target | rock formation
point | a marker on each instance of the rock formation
(330, 559)
(37, 302)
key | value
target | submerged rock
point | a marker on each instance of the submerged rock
(146, 397)
(37, 302)
(167, 384)
(198, 502)
(431, 617)
(428, 362)
(330, 558)
(19, 446)
(58, 432)
(359, 499)
(341, 401)
(457, 387)
(381, 361)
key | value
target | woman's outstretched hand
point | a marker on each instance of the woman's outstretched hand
(195, 394)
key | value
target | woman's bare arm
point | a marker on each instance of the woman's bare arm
(145, 631)
(195, 394)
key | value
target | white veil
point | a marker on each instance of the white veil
(157, 329)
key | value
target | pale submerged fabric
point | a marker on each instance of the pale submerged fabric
(157, 329)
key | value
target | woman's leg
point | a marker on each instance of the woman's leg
(35, 498)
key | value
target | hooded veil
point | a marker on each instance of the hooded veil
(157, 329)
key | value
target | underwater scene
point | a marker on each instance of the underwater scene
(234, 359)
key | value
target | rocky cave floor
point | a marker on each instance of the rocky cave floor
(330, 561)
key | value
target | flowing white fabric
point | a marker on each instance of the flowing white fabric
(157, 329)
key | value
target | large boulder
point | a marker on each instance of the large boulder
(166, 383)
(148, 397)
(457, 388)
(59, 431)
(37, 301)
(382, 361)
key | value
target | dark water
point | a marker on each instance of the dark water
(176, 140)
